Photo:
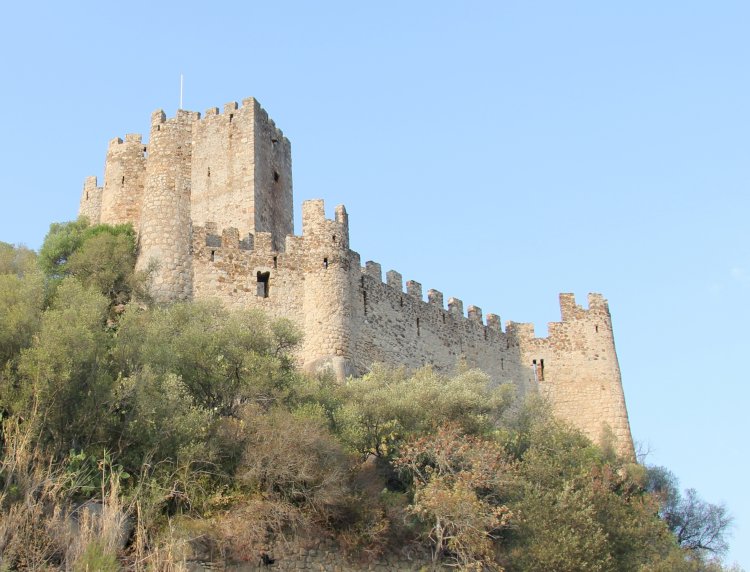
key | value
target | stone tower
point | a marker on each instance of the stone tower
(164, 229)
(576, 368)
(328, 291)
(233, 169)
(241, 172)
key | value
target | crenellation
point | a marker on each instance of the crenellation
(475, 314)
(211, 199)
(435, 297)
(158, 117)
(248, 242)
(395, 280)
(456, 307)
(264, 241)
(374, 270)
(230, 238)
(493, 322)
(414, 288)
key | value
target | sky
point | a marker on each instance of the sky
(501, 152)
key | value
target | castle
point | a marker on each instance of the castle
(211, 200)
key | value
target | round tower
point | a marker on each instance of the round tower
(124, 174)
(327, 305)
(164, 234)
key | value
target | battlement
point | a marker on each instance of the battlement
(230, 113)
(332, 231)
(159, 118)
(569, 310)
(435, 299)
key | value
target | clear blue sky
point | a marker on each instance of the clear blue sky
(500, 152)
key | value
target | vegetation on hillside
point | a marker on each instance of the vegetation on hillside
(132, 436)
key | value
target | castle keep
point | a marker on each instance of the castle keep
(211, 199)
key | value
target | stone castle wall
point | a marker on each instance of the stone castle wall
(212, 201)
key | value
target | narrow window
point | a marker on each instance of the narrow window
(364, 301)
(122, 182)
(275, 176)
(209, 171)
(502, 363)
(231, 116)
(596, 329)
(87, 195)
(417, 326)
(325, 263)
(275, 261)
(213, 252)
(334, 238)
(263, 284)
(538, 369)
(444, 317)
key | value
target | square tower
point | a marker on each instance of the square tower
(242, 172)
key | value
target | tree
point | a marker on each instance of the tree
(64, 376)
(224, 359)
(698, 526)
(101, 256)
(21, 302)
(388, 405)
(459, 482)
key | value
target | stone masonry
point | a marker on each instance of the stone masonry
(211, 200)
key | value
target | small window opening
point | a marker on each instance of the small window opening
(276, 176)
(87, 195)
(325, 263)
(507, 344)
(122, 182)
(158, 127)
(275, 261)
(231, 116)
(364, 301)
(417, 326)
(444, 318)
(334, 238)
(596, 329)
(401, 302)
(502, 363)
(209, 172)
(145, 149)
(263, 278)
(213, 255)
(538, 370)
